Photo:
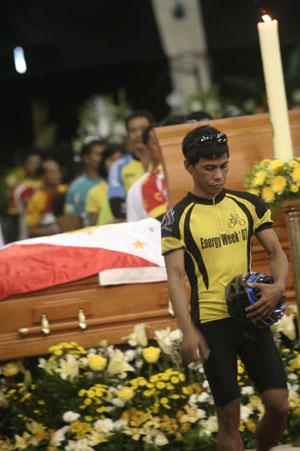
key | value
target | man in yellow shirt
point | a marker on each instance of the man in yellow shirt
(97, 204)
(39, 214)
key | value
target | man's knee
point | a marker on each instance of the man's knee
(276, 403)
(229, 416)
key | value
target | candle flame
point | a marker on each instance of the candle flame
(266, 18)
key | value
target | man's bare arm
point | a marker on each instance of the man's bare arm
(271, 293)
(193, 342)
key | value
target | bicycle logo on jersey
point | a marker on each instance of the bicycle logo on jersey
(234, 220)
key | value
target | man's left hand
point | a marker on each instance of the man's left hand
(270, 295)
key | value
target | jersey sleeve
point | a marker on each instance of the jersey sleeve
(170, 233)
(92, 204)
(262, 217)
(116, 191)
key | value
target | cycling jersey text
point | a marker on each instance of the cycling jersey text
(224, 239)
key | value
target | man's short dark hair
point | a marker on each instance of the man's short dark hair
(193, 150)
(35, 151)
(140, 113)
(89, 142)
(175, 119)
(109, 150)
(199, 116)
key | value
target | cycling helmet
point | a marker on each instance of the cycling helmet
(239, 296)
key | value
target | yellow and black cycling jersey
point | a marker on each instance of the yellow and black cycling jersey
(216, 235)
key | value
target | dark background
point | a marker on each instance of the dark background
(75, 48)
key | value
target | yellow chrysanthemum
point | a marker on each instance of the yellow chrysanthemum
(251, 426)
(296, 175)
(276, 164)
(125, 394)
(10, 369)
(259, 178)
(294, 188)
(278, 184)
(254, 191)
(265, 161)
(293, 164)
(268, 194)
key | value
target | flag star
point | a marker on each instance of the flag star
(139, 244)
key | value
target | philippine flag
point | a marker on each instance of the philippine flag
(38, 263)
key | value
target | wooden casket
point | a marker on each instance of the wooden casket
(85, 312)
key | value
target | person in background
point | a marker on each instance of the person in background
(127, 170)
(147, 197)
(40, 219)
(198, 116)
(71, 167)
(91, 153)
(97, 204)
(21, 194)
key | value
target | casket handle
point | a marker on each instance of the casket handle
(170, 308)
(81, 319)
(45, 325)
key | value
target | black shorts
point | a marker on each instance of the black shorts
(227, 339)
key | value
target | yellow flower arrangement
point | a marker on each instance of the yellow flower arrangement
(275, 181)
(94, 399)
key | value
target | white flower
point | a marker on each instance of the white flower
(138, 336)
(119, 424)
(245, 412)
(163, 338)
(45, 365)
(69, 367)
(3, 401)
(205, 384)
(193, 400)
(139, 363)
(176, 335)
(130, 355)
(70, 416)
(201, 413)
(160, 439)
(209, 426)
(287, 326)
(106, 425)
(203, 397)
(118, 364)
(212, 423)
(78, 445)
(247, 390)
(118, 402)
(59, 435)
(292, 376)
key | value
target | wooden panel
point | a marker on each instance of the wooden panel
(249, 139)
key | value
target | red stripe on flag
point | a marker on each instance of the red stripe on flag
(31, 267)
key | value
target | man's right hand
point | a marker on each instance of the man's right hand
(194, 347)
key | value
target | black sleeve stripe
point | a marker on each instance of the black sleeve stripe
(250, 227)
(264, 226)
(190, 270)
(172, 250)
(260, 207)
(192, 247)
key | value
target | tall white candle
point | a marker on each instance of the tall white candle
(272, 66)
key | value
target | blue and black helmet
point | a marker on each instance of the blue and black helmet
(239, 296)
